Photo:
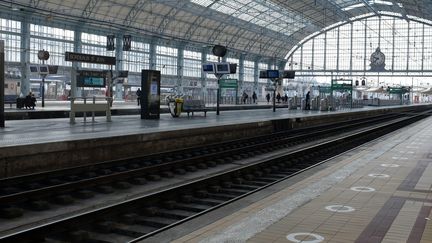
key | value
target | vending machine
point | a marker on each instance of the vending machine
(150, 98)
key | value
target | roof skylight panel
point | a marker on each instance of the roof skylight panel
(262, 13)
(204, 3)
(223, 8)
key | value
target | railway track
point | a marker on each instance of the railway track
(145, 216)
(30, 191)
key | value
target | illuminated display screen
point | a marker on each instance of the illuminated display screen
(273, 73)
(208, 68)
(43, 69)
(90, 81)
(222, 67)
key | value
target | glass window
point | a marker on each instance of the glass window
(192, 64)
(167, 51)
(192, 55)
(10, 25)
(192, 68)
(402, 42)
(167, 65)
(12, 47)
(249, 68)
(138, 58)
(56, 50)
(56, 33)
(93, 39)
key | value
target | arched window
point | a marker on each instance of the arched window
(348, 47)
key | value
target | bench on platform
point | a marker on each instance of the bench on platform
(90, 107)
(191, 106)
(10, 99)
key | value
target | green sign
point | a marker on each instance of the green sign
(398, 90)
(324, 89)
(228, 83)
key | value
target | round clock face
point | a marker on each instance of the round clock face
(377, 58)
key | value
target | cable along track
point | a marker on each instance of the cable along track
(139, 218)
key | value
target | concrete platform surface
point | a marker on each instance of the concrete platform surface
(380, 192)
(24, 132)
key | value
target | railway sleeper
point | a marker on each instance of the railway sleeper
(177, 214)
(233, 191)
(155, 221)
(208, 201)
(245, 187)
(221, 196)
(192, 207)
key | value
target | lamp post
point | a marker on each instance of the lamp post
(43, 55)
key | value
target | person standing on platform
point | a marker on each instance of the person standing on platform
(139, 93)
(268, 97)
(244, 97)
(307, 101)
(278, 97)
(254, 97)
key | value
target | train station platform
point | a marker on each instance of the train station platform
(379, 192)
(29, 146)
(61, 109)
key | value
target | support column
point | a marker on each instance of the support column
(351, 48)
(75, 91)
(118, 54)
(393, 45)
(301, 57)
(313, 55)
(325, 51)
(2, 83)
(25, 57)
(152, 56)
(337, 49)
(256, 76)
(408, 49)
(203, 75)
(365, 46)
(241, 72)
(180, 65)
(423, 39)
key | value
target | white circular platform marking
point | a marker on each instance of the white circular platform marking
(362, 189)
(401, 158)
(340, 208)
(379, 175)
(390, 165)
(292, 238)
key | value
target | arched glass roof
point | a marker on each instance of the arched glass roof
(268, 28)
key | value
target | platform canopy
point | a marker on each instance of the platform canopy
(268, 28)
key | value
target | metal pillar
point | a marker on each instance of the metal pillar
(43, 87)
(180, 66)
(2, 84)
(256, 76)
(203, 75)
(75, 65)
(118, 66)
(241, 75)
(25, 57)
(152, 55)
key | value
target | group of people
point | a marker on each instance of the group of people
(245, 96)
(285, 99)
(30, 101)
